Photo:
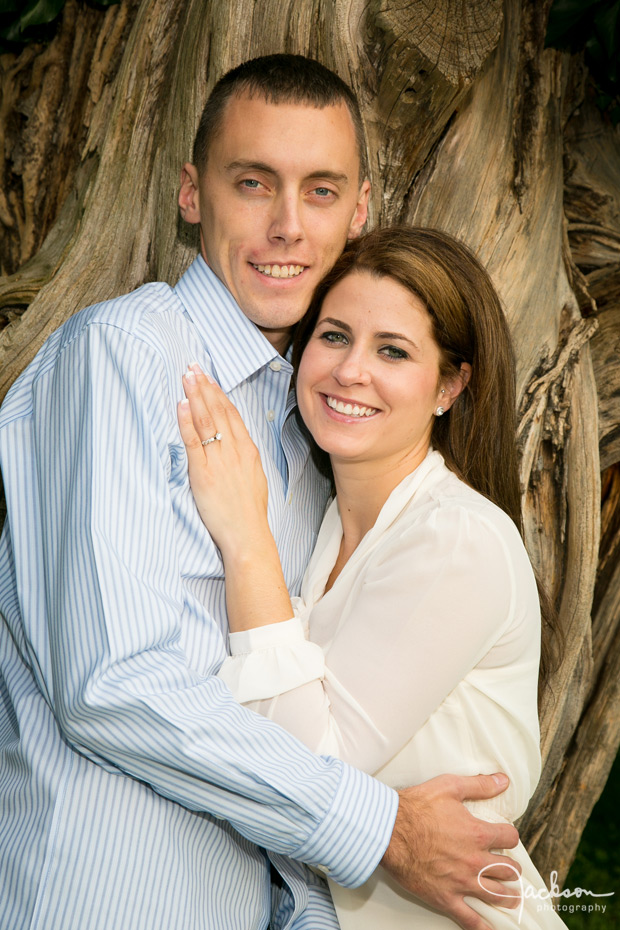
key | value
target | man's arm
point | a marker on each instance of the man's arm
(121, 642)
(95, 515)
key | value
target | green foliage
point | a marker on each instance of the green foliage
(597, 863)
(591, 26)
(31, 21)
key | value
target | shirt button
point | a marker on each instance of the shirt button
(275, 365)
(271, 415)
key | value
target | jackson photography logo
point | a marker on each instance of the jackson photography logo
(545, 897)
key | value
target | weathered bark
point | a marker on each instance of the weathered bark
(469, 124)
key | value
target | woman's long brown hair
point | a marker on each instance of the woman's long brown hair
(477, 436)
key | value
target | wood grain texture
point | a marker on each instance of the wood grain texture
(472, 126)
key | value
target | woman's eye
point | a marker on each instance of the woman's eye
(393, 352)
(334, 337)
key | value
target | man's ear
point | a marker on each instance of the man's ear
(189, 196)
(452, 387)
(361, 211)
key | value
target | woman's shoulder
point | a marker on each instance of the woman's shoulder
(443, 509)
(443, 492)
(464, 542)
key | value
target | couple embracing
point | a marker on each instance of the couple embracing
(215, 690)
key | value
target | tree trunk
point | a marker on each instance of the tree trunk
(472, 127)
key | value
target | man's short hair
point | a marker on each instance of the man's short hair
(279, 79)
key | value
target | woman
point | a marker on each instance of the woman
(414, 648)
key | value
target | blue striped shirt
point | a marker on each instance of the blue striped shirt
(134, 791)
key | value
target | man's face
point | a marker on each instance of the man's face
(280, 196)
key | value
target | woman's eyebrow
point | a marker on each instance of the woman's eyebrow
(396, 336)
(338, 323)
(345, 326)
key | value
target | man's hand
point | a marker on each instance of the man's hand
(438, 848)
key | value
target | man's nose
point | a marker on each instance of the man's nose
(286, 224)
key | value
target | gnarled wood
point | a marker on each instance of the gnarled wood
(470, 122)
(47, 99)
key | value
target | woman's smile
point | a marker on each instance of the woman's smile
(368, 381)
(349, 408)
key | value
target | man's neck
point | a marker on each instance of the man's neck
(280, 339)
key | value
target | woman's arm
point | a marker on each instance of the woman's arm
(286, 663)
(230, 488)
(442, 599)
(428, 606)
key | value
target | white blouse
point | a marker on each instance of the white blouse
(422, 659)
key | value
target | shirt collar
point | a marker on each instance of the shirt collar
(237, 347)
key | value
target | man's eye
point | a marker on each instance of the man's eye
(393, 352)
(252, 183)
(323, 191)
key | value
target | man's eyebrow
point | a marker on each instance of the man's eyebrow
(241, 165)
(326, 175)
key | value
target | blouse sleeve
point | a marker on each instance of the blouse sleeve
(429, 606)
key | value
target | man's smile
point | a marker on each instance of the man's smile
(280, 271)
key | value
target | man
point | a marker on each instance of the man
(134, 792)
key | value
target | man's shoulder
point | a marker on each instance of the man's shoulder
(143, 316)
(128, 312)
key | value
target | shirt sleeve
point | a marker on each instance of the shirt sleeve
(431, 604)
(111, 654)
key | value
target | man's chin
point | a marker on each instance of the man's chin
(277, 315)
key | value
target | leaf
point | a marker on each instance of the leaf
(25, 22)
(40, 11)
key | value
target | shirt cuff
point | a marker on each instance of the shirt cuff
(273, 634)
(270, 660)
(355, 833)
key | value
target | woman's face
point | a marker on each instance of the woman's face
(368, 382)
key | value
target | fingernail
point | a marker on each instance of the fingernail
(196, 368)
(190, 376)
(501, 780)
(184, 403)
(209, 378)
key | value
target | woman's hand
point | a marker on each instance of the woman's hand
(230, 488)
(225, 474)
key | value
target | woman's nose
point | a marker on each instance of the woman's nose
(352, 369)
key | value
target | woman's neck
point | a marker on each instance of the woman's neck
(362, 488)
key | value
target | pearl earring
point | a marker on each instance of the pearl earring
(439, 412)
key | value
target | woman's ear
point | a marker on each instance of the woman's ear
(451, 387)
